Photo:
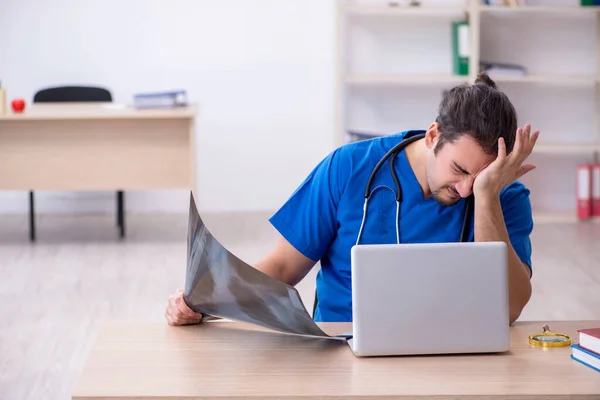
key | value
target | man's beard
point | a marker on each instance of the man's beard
(445, 201)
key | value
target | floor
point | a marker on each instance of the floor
(56, 292)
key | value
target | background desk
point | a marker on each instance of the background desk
(224, 360)
(97, 146)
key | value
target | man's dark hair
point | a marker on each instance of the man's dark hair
(479, 110)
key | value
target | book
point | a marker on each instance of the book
(585, 357)
(589, 339)
(175, 98)
(461, 45)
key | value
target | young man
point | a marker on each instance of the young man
(473, 148)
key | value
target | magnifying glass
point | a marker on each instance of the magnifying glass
(549, 339)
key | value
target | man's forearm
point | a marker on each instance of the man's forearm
(285, 263)
(490, 226)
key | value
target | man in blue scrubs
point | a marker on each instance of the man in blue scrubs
(473, 147)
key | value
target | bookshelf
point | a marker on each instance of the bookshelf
(393, 63)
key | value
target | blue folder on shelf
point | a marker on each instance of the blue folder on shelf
(169, 99)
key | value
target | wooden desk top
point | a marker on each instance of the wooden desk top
(100, 110)
(227, 360)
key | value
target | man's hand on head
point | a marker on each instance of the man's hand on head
(505, 169)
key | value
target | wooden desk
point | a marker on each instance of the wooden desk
(223, 360)
(97, 146)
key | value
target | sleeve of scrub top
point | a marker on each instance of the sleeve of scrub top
(308, 219)
(518, 219)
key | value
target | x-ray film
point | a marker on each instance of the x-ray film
(219, 284)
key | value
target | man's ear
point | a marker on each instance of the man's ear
(432, 135)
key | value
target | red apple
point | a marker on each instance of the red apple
(18, 105)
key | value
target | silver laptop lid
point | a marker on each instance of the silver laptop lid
(430, 298)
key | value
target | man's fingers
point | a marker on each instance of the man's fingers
(178, 318)
(185, 321)
(524, 170)
(177, 311)
(527, 131)
(524, 143)
(501, 149)
(534, 138)
(168, 316)
(518, 142)
(528, 147)
(185, 310)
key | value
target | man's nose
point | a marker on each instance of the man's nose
(465, 187)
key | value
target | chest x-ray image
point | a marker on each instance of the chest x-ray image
(219, 284)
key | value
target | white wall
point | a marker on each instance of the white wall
(262, 71)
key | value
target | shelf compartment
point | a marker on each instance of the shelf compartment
(376, 80)
(540, 9)
(549, 79)
(565, 148)
(391, 11)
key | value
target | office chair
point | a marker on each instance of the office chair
(63, 94)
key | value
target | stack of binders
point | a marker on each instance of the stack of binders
(588, 191)
(171, 99)
(495, 69)
(587, 351)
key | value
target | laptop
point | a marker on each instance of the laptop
(430, 298)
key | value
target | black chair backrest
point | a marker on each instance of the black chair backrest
(72, 94)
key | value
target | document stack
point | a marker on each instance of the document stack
(171, 99)
(587, 351)
(494, 69)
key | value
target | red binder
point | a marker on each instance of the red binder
(596, 190)
(584, 189)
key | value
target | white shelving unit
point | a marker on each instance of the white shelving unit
(395, 61)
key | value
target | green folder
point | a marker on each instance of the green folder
(587, 2)
(461, 42)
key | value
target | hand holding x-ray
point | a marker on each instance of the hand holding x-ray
(218, 284)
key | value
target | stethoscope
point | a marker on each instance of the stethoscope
(464, 235)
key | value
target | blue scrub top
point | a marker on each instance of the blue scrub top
(322, 217)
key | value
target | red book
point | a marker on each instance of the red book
(589, 339)
(596, 190)
(584, 189)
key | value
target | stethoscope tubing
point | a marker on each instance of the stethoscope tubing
(391, 154)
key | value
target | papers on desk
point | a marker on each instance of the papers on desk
(219, 284)
(170, 99)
